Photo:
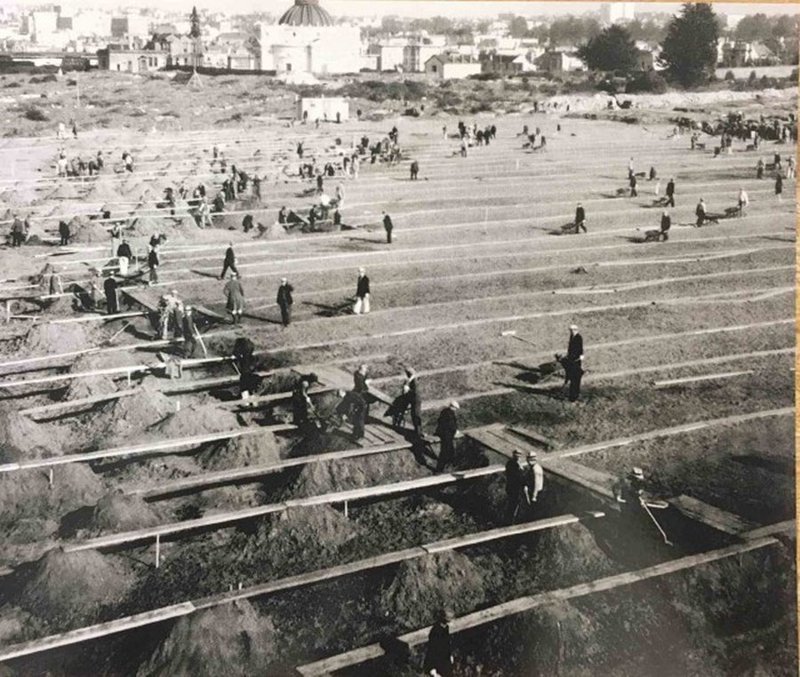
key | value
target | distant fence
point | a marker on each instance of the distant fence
(744, 72)
(207, 70)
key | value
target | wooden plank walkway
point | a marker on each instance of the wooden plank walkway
(253, 473)
(141, 297)
(287, 583)
(153, 448)
(341, 380)
(364, 654)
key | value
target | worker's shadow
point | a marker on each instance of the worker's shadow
(261, 318)
(551, 390)
(202, 273)
(325, 310)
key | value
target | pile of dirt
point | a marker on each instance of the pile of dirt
(101, 384)
(22, 438)
(48, 339)
(121, 512)
(84, 230)
(64, 191)
(239, 452)
(103, 190)
(196, 419)
(565, 556)
(423, 587)
(14, 623)
(28, 494)
(128, 416)
(70, 588)
(308, 535)
(144, 226)
(230, 640)
(321, 478)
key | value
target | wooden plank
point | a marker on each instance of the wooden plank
(698, 379)
(78, 403)
(535, 437)
(166, 447)
(787, 528)
(596, 481)
(361, 655)
(254, 472)
(144, 300)
(506, 532)
(714, 517)
(96, 631)
(500, 444)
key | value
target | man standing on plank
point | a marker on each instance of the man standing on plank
(514, 485)
(230, 261)
(124, 256)
(285, 301)
(234, 295)
(580, 219)
(446, 430)
(533, 480)
(362, 293)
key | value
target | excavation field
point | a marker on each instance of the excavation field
(154, 525)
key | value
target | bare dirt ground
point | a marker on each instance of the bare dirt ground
(478, 250)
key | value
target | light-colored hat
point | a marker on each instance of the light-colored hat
(638, 473)
(454, 405)
(517, 453)
(532, 454)
(574, 327)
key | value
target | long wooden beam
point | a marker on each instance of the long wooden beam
(361, 655)
(282, 584)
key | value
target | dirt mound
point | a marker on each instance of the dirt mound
(130, 415)
(46, 339)
(196, 419)
(28, 494)
(231, 640)
(321, 478)
(101, 384)
(567, 555)
(68, 588)
(64, 191)
(121, 512)
(238, 452)
(423, 587)
(84, 230)
(103, 191)
(145, 226)
(303, 534)
(22, 438)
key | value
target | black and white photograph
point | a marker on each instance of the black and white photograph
(398, 338)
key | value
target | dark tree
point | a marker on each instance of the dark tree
(612, 49)
(689, 51)
(518, 27)
(194, 31)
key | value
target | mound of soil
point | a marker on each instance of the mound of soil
(144, 226)
(321, 478)
(84, 230)
(196, 419)
(122, 512)
(22, 438)
(425, 586)
(44, 339)
(567, 555)
(28, 494)
(103, 191)
(13, 624)
(231, 640)
(128, 416)
(68, 588)
(239, 452)
(307, 534)
(88, 386)
(65, 191)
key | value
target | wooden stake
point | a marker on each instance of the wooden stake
(158, 551)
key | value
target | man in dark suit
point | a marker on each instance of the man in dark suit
(388, 226)
(446, 429)
(230, 261)
(580, 219)
(285, 301)
(362, 293)
(414, 170)
(514, 486)
(573, 362)
(439, 654)
(671, 193)
(666, 224)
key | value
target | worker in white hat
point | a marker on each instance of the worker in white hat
(629, 490)
(573, 363)
(534, 478)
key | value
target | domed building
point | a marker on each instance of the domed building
(306, 40)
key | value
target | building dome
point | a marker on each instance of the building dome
(306, 13)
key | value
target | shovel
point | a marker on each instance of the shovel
(513, 334)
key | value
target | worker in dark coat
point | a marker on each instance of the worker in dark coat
(285, 301)
(632, 182)
(671, 193)
(153, 263)
(189, 332)
(514, 486)
(110, 290)
(234, 295)
(302, 407)
(414, 170)
(355, 408)
(362, 293)
(229, 263)
(282, 216)
(446, 429)
(388, 226)
(64, 233)
(439, 654)
(779, 186)
(580, 219)
(414, 401)
(629, 491)
(573, 363)
(666, 224)
(700, 212)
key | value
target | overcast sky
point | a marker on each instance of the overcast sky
(412, 8)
